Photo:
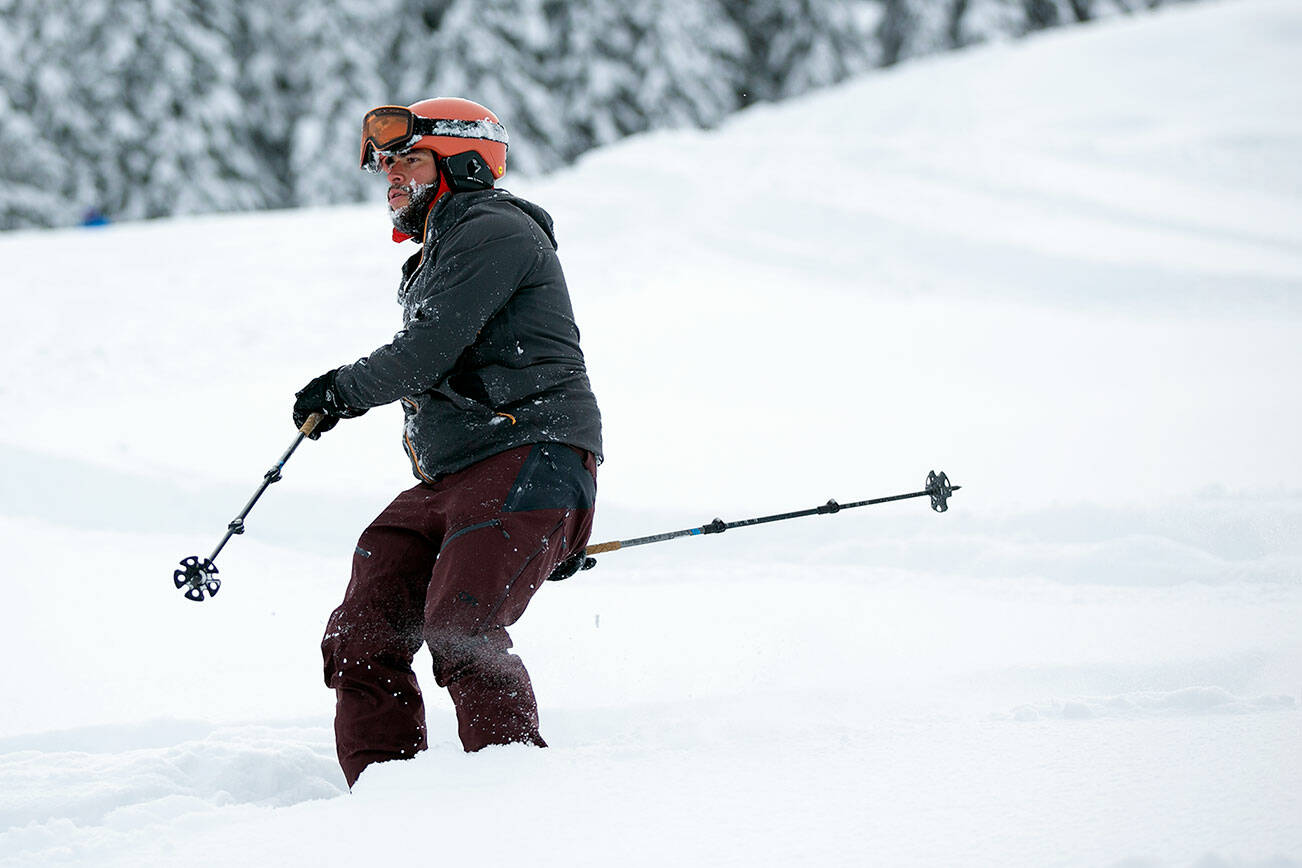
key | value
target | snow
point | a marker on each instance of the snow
(1067, 271)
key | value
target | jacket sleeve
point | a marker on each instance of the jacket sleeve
(480, 263)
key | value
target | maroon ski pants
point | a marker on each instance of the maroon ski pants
(452, 564)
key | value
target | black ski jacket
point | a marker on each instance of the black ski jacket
(488, 358)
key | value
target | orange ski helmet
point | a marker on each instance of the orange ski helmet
(448, 126)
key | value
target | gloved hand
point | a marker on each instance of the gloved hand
(321, 396)
(570, 566)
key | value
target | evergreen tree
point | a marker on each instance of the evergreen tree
(335, 73)
(263, 48)
(187, 148)
(793, 46)
(30, 182)
(134, 98)
(492, 52)
(31, 185)
(684, 65)
(984, 20)
(627, 68)
(909, 28)
(1041, 14)
(1088, 10)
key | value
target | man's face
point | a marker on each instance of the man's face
(413, 169)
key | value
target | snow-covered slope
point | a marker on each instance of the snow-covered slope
(1066, 271)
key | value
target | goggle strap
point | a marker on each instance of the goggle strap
(480, 129)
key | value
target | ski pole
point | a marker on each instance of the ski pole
(938, 489)
(200, 574)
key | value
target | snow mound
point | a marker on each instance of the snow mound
(257, 765)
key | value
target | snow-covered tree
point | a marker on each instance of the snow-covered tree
(909, 28)
(627, 68)
(262, 46)
(335, 74)
(986, 20)
(30, 184)
(132, 103)
(793, 46)
(492, 52)
(1041, 14)
(182, 124)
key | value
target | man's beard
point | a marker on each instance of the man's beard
(410, 218)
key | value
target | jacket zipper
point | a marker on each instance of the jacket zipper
(411, 450)
(424, 234)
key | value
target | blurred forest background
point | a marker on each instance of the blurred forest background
(130, 109)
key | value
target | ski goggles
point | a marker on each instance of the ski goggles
(394, 128)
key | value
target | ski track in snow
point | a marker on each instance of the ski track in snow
(1067, 271)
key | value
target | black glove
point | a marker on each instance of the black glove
(321, 396)
(570, 566)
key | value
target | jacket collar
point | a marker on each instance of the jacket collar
(448, 210)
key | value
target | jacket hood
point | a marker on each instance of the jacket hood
(536, 213)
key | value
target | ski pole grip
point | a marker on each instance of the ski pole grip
(602, 547)
(310, 425)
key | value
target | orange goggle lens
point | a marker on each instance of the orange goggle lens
(385, 129)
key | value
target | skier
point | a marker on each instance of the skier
(501, 428)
